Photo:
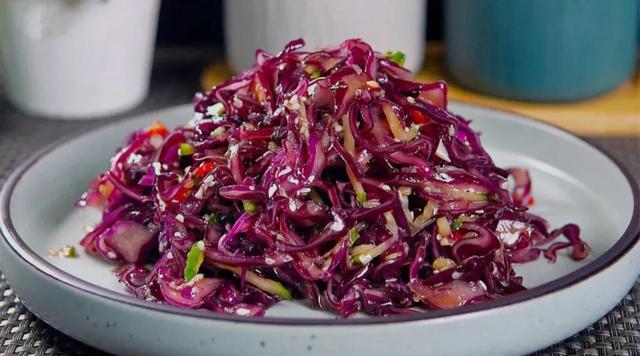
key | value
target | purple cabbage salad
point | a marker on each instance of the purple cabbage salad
(328, 176)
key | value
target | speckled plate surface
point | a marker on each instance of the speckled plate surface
(573, 182)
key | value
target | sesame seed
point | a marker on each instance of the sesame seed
(237, 102)
(284, 171)
(272, 190)
(243, 311)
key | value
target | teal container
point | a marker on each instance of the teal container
(541, 50)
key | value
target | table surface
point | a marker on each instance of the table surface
(176, 75)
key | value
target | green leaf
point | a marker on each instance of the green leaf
(396, 56)
(315, 75)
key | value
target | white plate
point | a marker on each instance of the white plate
(573, 182)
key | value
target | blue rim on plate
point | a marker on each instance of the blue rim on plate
(628, 239)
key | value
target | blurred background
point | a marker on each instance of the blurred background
(570, 63)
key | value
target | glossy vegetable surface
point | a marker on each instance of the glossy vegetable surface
(329, 176)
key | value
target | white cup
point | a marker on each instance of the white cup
(77, 59)
(270, 24)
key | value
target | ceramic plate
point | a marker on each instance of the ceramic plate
(573, 182)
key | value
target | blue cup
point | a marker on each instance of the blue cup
(541, 50)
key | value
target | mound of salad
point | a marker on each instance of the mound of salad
(328, 176)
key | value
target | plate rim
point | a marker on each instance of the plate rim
(23, 252)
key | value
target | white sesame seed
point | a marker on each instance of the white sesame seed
(215, 110)
(284, 171)
(237, 102)
(243, 311)
(199, 194)
(233, 150)
(337, 224)
(304, 191)
(442, 153)
(209, 181)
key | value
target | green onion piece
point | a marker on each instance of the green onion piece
(363, 254)
(249, 206)
(455, 225)
(315, 196)
(482, 197)
(218, 131)
(363, 258)
(195, 257)
(186, 149)
(354, 235)
(361, 197)
(396, 56)
(213, 219)
(267, 285)
(71, 252)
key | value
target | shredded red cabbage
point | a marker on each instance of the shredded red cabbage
(329, 176)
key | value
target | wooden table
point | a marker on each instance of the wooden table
(615, 114)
